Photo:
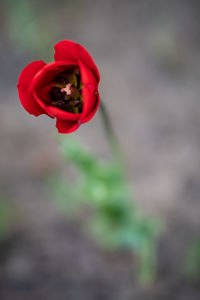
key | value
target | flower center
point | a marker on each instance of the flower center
(65, 92)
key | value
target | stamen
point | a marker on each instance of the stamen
(67, 89)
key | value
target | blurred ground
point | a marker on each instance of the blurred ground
(148, 56)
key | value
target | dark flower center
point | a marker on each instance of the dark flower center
(65, 92)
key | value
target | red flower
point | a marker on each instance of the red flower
(66, 89)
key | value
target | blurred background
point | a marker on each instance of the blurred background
(148, 54)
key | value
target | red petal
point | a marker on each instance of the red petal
(66, 127)
(66, 50)
(24, 82)
(91, 114)
(43, 94)
(89, 92)
(55, 112)
(71, 51)
(89, 101)
(43, 98)
(48, 73)
(87, 77)
(62, 114)
(87, 59)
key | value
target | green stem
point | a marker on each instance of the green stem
(146, 273)
(114, 144)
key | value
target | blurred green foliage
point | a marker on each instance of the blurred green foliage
(192, 264)
(33, 27)
(27, 28)
(115, 221)
(6, 219)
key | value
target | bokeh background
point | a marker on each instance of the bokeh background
(148, 54)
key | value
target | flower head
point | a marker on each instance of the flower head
(66, 89)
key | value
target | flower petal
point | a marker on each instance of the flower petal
(55, 112)
(89, 99)
(66, 127)
(87, 77)
(66, 50)
(89, 91)
(87, 59)
(49, 72)
(92, 112)
(24, 81)
(71, 51)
